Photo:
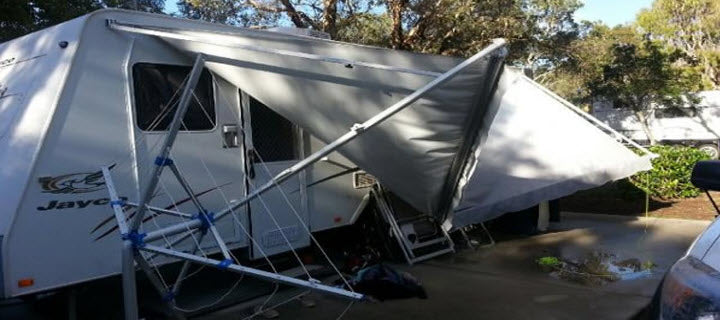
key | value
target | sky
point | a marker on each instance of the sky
(611, 12)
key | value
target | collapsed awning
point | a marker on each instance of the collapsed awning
(474, 144)
(418, 153)
(533, 147)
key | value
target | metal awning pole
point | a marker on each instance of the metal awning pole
(256, 273)
(202, 213)
(130, 307)
(173, 213)
(162, 160)
(354, 132)
(186, 267)
(167, 296)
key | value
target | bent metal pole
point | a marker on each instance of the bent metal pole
(162, 160)
(354, 132)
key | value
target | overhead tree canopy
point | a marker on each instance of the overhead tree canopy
(537, 30)
(692, 26)
(19, 17)
(570, 57)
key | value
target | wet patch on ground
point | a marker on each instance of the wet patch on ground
(596, 268)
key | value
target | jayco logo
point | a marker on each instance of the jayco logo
(73, 183)
(80, 204)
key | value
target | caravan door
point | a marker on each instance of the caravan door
(207, 151)
(279, 216)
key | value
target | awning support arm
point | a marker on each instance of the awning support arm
(162, 160)
(355, 131)
(255, 273)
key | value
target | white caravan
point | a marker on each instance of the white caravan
(697, 127)
(99, 91)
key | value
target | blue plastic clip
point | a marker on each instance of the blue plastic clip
(224, 264)
(160, 161)
(119, 202)
(137, 239)
(206, 219)
(169, 296)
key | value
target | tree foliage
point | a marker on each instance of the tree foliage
(641, 77)
(21, 17)
(691, 26)
(537, 30)
(673, 47)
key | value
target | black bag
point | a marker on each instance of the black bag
(383, 283)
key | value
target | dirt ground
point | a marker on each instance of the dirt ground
(616, 199)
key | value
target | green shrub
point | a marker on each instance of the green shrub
(548, 261)
(670, 176)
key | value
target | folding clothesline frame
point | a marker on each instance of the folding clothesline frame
(134, 241)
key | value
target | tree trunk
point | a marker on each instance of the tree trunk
(329, 22)
(396, 10)
(643, 119)
(294, 15)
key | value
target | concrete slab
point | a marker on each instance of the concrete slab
(502, 282)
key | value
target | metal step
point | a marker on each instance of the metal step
(428, 243)
(408, 247)
(432, 255)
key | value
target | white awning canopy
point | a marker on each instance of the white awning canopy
(534, 148)
(516, 144)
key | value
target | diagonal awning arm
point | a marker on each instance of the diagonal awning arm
(357, 130)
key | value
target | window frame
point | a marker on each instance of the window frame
(134, 109)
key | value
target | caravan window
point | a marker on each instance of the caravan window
(158, 86)
(274, 137)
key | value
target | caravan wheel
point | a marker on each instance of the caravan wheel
(710, 149)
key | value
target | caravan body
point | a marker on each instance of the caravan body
(696, 125)
(78, 96)
(90, 92)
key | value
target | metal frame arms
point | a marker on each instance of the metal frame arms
(162, 160)
(354, 132)
(115, 201)
(359, 129)
(172, 33)
(161, 210)
(260, 274)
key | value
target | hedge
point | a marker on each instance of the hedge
(670, 176)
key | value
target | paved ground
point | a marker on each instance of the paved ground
(502, 282)
(499, 282)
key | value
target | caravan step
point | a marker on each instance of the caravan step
(428, 243)
(432, 255)
(408, 226)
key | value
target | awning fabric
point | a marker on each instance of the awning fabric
(413, 152)
(532, 148)
(525, 146)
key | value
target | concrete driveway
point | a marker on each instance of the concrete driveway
(502, 282)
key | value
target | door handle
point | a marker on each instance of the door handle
(230, 136)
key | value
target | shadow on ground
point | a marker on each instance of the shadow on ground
(503, 282)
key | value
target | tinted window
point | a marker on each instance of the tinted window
(273, 135)
(158, 86)
(675, 112)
